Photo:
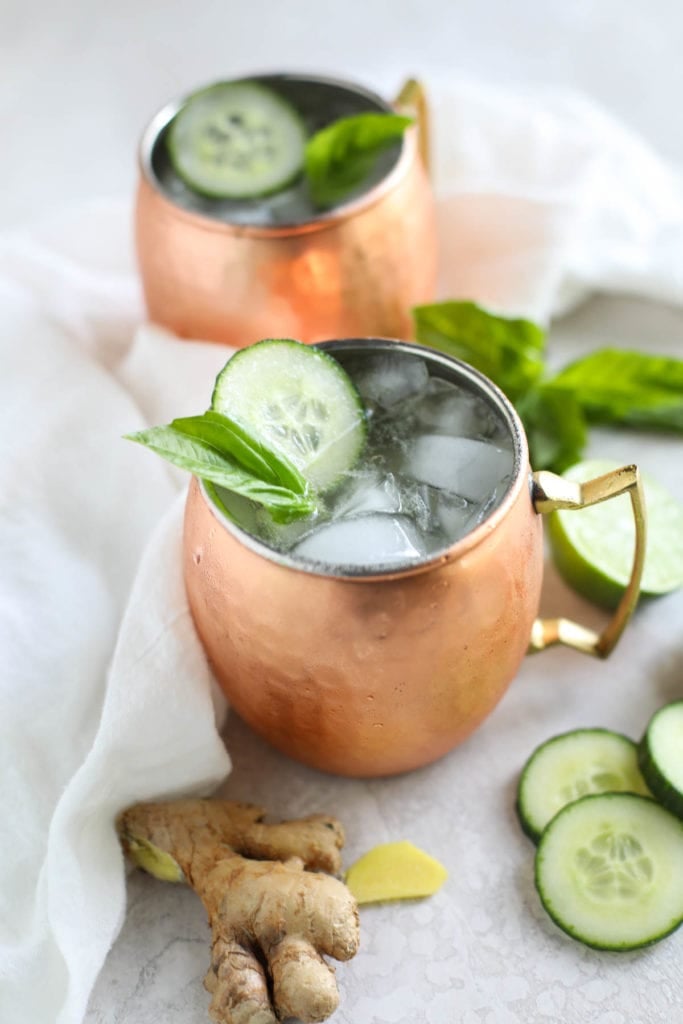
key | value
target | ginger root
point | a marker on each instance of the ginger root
(271, 919)
(395, 871)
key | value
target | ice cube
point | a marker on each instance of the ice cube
(257, 521)
(440, 516)
(367, 490)
(455, 515)
(386, 378)
(417, 502)
(282, 536)
(493, 501)
(288, 206)
(366, 540)
(447, 408)
(460, 465)
(240, 510)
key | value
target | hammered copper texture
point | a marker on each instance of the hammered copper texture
(361, 677)
(347, 275)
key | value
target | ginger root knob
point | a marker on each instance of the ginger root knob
(273, 913)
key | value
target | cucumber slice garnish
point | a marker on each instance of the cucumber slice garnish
(300, 402)
(573, 765)
(609, 871)
(237, 140)
(660, 755)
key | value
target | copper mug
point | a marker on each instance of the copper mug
(378, 673)
(356, 269)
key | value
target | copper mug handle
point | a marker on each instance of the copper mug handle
(551, 492)
(412, 101)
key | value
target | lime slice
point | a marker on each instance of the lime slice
(237, 140)
(593, 548)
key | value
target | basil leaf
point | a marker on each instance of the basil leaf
(555, 427)
(226, 442)
(508, 351)
(206, 462)
(232, 439)
(341, 156)
(630, 388)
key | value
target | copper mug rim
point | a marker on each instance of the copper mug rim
(344, 211)
(442, 556)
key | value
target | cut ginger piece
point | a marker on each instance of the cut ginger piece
(395, 871)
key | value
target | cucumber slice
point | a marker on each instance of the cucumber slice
(660, 755)
(609, 871)
(299, 401)
(570, 766)
(237, 140)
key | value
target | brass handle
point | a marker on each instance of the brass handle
(552, 492)
(412, 101)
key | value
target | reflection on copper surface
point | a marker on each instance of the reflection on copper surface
(350, 272)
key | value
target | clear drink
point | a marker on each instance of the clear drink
(439, 459)
(319, 102)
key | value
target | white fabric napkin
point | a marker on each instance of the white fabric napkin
(105, 696)
(545, 198)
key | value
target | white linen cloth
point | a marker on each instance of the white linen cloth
(547, 198)
(105, 696)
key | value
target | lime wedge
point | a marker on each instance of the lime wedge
(593, 548)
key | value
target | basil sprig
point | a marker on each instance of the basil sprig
(610, 386)
(555, 426)
(216, 448)
(504, 350)
(340, 157)
(629, 388)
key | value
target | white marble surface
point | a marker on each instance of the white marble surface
(79, 81)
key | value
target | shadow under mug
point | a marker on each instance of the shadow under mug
(356, 269)
(378, 673)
